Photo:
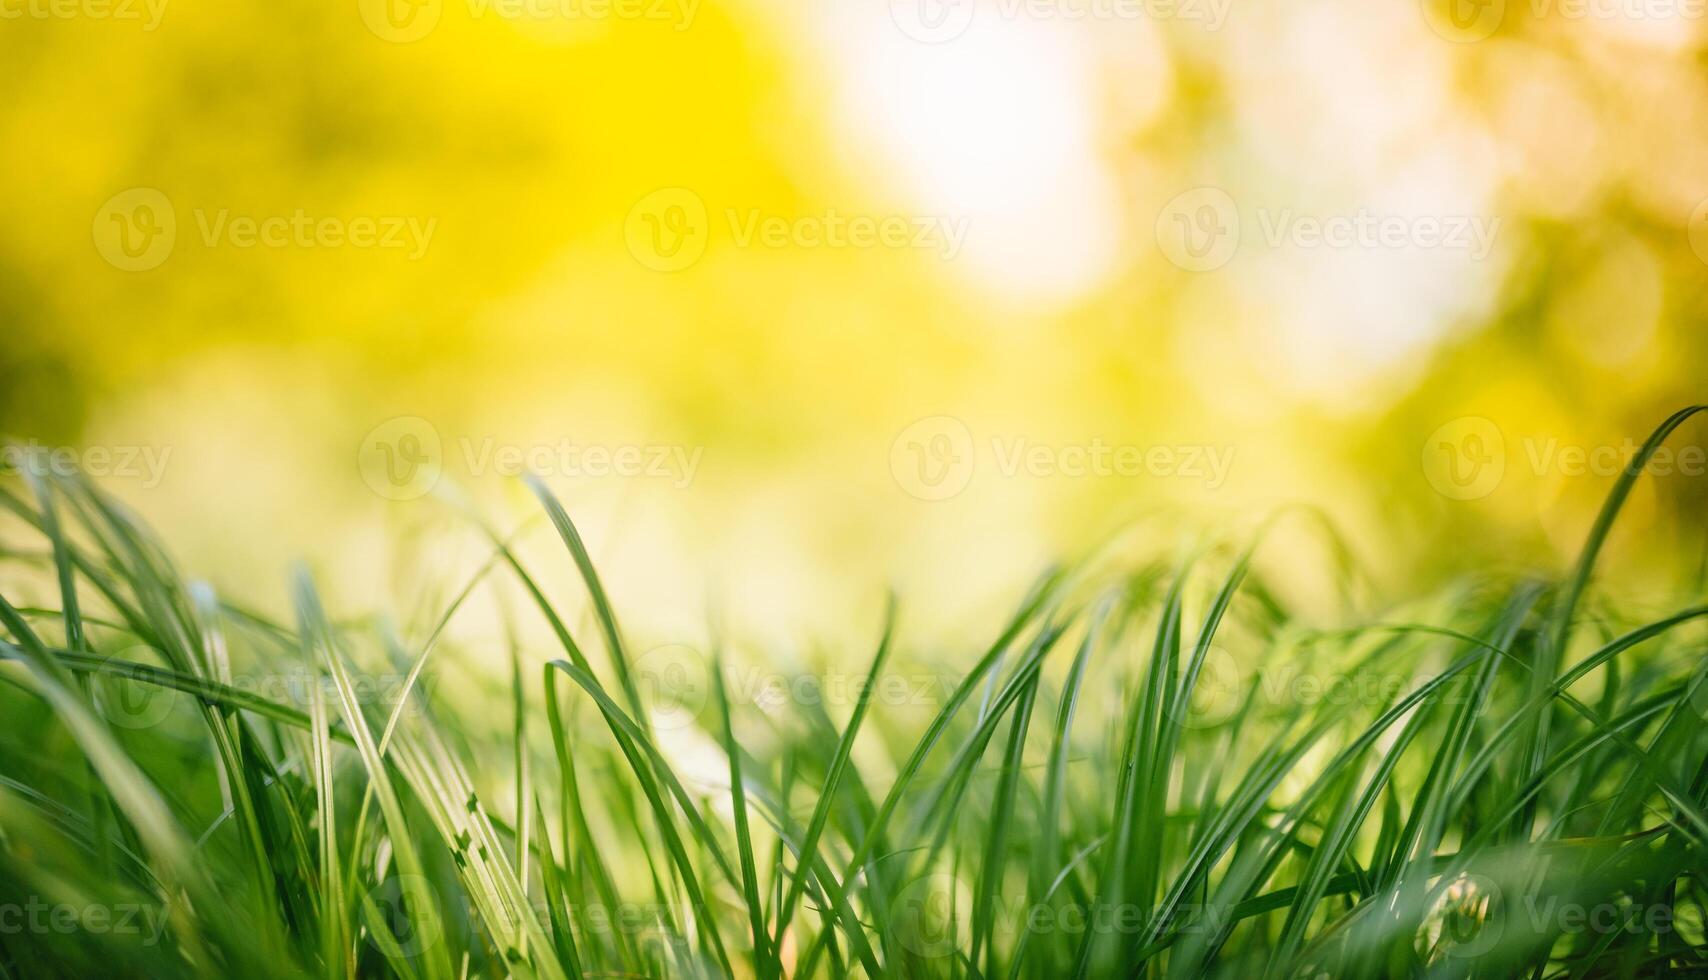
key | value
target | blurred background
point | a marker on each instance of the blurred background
(791, 302)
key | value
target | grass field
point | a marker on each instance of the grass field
(1154, 767)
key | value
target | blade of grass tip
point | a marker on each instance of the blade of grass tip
(1486, 755)
(1160, 706)
(825, 895)
(519, 735)
(163, 599)
(574, 819)
(163, 677)
(240, 789)
(1551, 653)
(561, 631)
(1334, 846)
(952, 784)
(92, 572)
(217, 667)
(1681, 727)
(418, 897)
(1632, 718)
(619, 799)
(70, 824)
(762, 960)
(395, 647)
(286, 825)
(1604, 523)
(1246, 801)
(601, 604)
(136, 796)
(855, 810)
(697, 895)
(1055, 776)
(100, 805)
(62, 565)
(432, 643)
(626, 733)
(1041, 592)
(336, 952)
(649, 763)
(784, 791)
(1131, 854)
(1209, 799)
(444, 789)
(1170, 734)
(142, 562)
(1423, 830)
(557, 901)
(1002, 805)
(839, 763)
(443, 786)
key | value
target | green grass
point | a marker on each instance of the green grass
(1153, 767)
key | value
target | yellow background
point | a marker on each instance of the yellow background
(536, 140)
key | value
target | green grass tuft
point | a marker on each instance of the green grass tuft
(1153, 768)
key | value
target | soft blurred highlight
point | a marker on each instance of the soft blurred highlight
(900, 244)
